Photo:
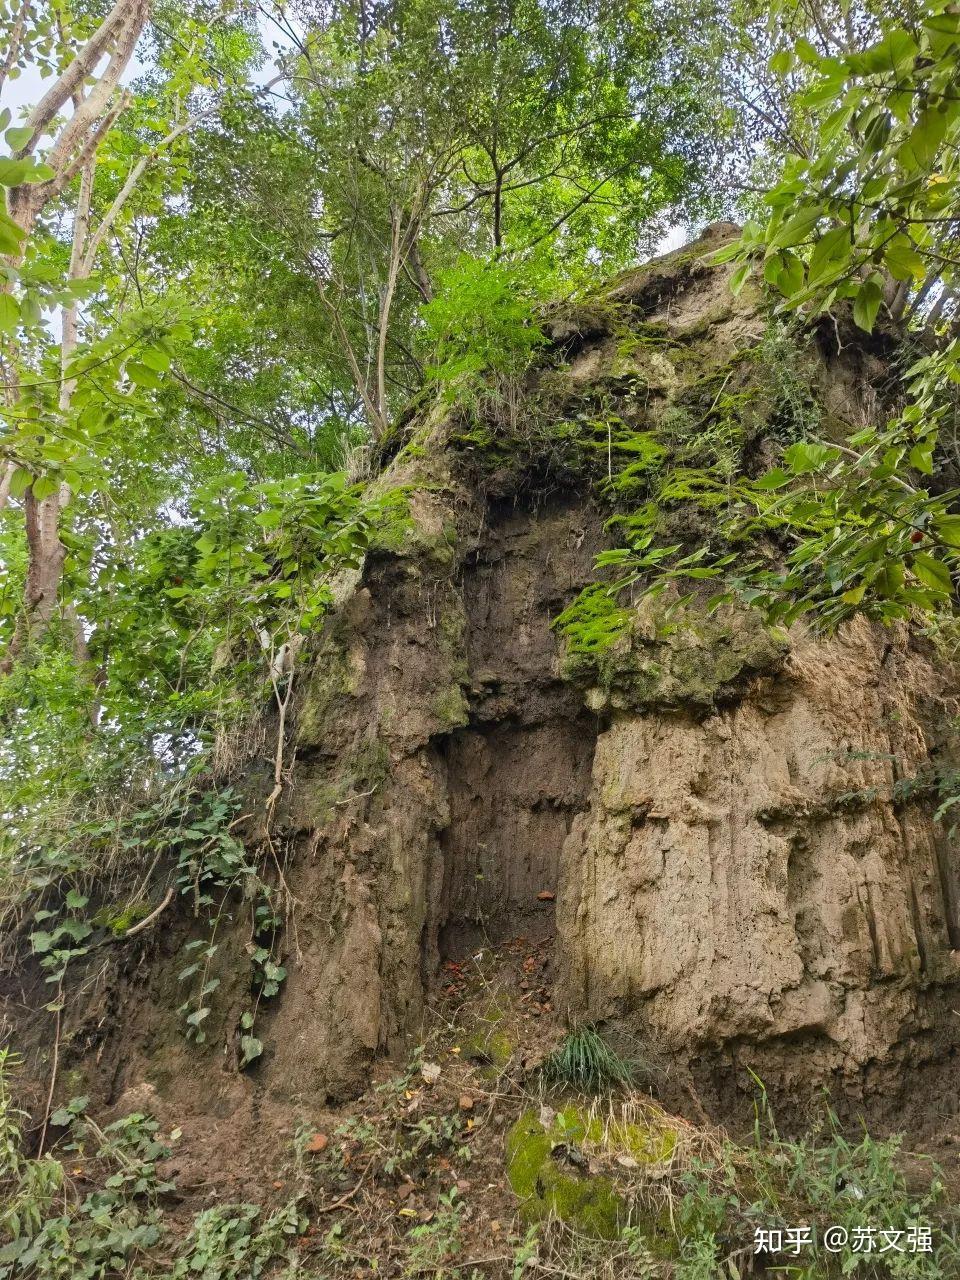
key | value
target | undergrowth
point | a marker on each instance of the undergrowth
(585, 1061)
(698, 1206)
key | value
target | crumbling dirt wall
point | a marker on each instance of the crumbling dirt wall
(712, 833)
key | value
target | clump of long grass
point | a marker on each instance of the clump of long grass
(585, 1061)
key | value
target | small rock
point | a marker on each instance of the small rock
(317, 1143)
(628, 1162)
(466, 1102)
(546, 895)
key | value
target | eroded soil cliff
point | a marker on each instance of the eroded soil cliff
(713, 838)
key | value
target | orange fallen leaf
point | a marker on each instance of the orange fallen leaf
(546, 895)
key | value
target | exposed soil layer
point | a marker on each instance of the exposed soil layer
(706, 837)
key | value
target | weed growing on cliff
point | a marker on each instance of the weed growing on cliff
(585, 1061)
(227, 1242)
(436, 1242)
(821, 1181)
(50, 1229)
(483, 322)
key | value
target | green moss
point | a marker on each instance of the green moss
(367, 768)
(450, 707)
(489, 1042)
(331, 679)
(693, 658)
(647, 1144)
(118, 919)
(546, 1189)
(549, 1186)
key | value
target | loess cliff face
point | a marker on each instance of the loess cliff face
(715, 828)
(714, 824)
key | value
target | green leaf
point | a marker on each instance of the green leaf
(785, 272)
(782, 62)
(13, 172)
(20, 482)
(798, 228)
(739, 278)
(867, 304)
(805, 456)
(250, 1048)
(895, 52)
(18, 136)
(44, 486)
(921, 458)
(947, 529)
(9, 313)
(925, 139)
(830, 254)
(932, 573)
(142, 375)
(774, 479)
(806, 52)
(155, 358)
(903, 261)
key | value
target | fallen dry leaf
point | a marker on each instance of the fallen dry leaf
(466, 1102)
(430, 1072)
(546, 895)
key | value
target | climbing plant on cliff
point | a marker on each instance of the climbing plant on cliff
(865, 214)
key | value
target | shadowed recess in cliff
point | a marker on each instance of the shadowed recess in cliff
(513, 792)
(517, 775)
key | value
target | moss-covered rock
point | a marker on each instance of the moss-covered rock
(549, 1184)
(549, 1187)
(684, 658)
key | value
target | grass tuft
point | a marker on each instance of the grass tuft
(585, 1061)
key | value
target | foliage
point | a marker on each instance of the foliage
(482, 323)
(820, 1180)
(52, 1231)
(585, 1061)
(864, 209)
(227, 1242)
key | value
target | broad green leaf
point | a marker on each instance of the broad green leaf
(18, 136)
(895, 52)
(925, 139)
(739, 278)
(250, 1048)
(44, 486)
(947, 529)
(903, 261)
(774, 479)
(805, 456)
(797, 229)
(142, 375)
(9, 313)
(932, 573)
(830, 255)
(867, 304)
